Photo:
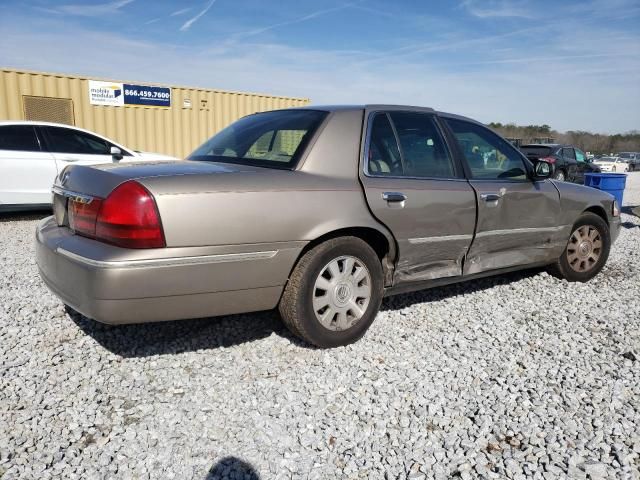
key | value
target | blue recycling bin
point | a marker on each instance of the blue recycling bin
(612, 183)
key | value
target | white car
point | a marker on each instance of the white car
(32, 154)
(612, 164)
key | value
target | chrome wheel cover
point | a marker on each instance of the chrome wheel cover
(584, 248)
(341, 293)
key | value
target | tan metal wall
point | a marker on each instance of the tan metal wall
(173, 131)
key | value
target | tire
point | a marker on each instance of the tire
(301, 305)
(577, 264)
(560, 176)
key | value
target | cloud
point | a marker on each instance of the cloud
(182, 11)
(301, 19)
(187, 25)
(92, 10)
(496, 8)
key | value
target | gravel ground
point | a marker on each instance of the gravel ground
(522, 376)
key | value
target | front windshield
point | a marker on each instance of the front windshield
(270, 139)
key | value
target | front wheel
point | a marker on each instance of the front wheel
(587, 250)
(334, 293)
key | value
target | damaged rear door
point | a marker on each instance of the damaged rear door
(517, 217)
(417, 189)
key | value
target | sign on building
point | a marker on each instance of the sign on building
(106, 93)
(119, 94)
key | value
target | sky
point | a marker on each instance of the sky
(571, 64)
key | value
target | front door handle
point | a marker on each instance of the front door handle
(394, 197)
(69, 159)
(490, 197)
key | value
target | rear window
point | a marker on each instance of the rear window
(536, 151)
(270, 139)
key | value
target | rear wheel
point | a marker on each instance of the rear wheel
(587, 250)
(560, 176)
(334, 293)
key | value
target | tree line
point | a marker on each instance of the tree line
(597, 143)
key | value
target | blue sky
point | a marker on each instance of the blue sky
(570, 64)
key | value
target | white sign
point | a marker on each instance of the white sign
(106, 93)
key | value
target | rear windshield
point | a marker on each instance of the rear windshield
(536, 151)
(271, 139)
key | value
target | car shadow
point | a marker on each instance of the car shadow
(166, 338)
(232, 467)
(26, 216)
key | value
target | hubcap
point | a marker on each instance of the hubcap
(341, 293)
(584, 249)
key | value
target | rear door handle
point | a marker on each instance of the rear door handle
(69, 159)
(394, 197)
(490, 197)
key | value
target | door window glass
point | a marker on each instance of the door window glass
(66, 140)
(580, 156)
(19, 137)
(422, 148)
(383, 154)
(568, 153)
(489, 156)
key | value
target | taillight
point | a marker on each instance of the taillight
(82, 216)
(550, 160)
(127, 218)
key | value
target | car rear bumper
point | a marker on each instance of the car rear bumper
(614, 228)
(117, 286)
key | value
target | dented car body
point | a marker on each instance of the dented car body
(439, 198)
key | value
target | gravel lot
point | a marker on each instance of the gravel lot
(522, 376)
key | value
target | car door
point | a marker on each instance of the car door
(27, 172)
(571, 164)
(414, 186)
(517, 217)
(70, 146)
(582, 166)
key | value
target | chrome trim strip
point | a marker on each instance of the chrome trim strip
(509, 231)
(169, 262)
(444, 238)
(75, 196)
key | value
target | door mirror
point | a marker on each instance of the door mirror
(116, 153)
(541, 170)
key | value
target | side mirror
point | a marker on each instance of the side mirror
(541, 170)
(116, 153)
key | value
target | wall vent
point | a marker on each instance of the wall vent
(48, 109)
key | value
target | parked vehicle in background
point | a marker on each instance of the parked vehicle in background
(319, 211)
(569, 162)
(613, 164)
(632, 158)
(32, 154)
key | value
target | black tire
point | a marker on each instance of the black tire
(562, 267)
(560, 175)
(296, 304)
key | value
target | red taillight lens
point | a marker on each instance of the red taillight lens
(129, 218)
(82, 216)
(550, 160)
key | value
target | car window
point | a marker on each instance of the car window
(568, 153)
(19, 137)
(383, 154)
(270, 139)
(489, 156)
(67, 140)
(422, 149)
(580, 156)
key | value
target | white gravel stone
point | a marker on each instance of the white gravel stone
(520, 376)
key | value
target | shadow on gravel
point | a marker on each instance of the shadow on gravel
(165, 338)
(440, 293)
(631, 210)
(232, 467)
(16, 216)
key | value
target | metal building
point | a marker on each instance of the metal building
(156, 118)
